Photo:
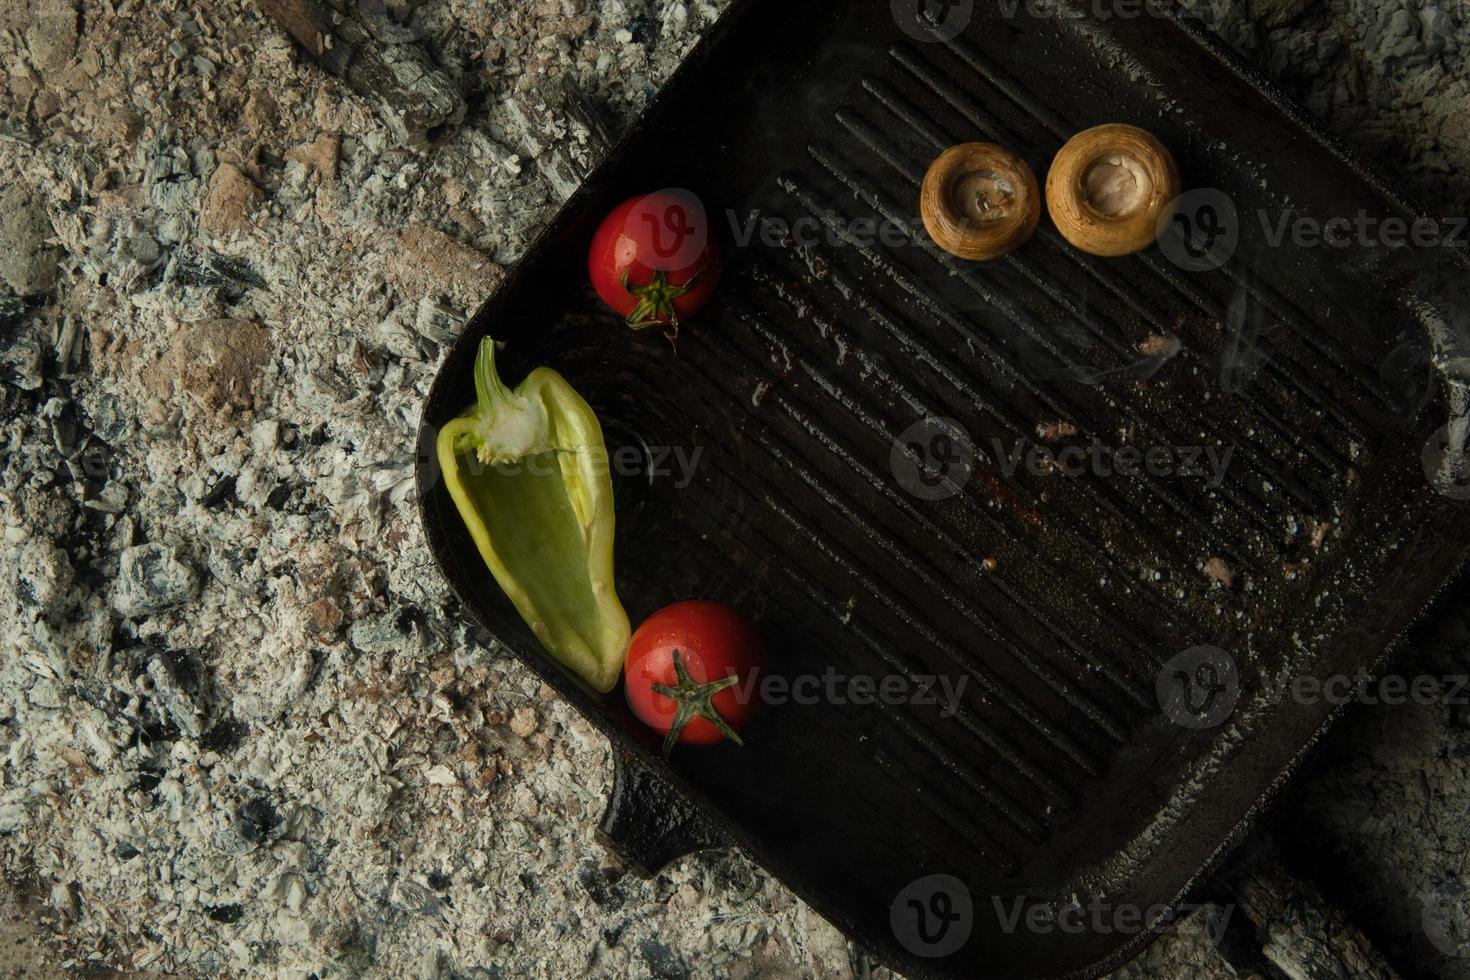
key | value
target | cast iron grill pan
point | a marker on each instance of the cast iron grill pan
(1055, 778)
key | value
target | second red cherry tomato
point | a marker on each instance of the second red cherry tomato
(654, 260)
(691, 672)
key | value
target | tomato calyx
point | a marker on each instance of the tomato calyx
(693, 701)
(656, 300)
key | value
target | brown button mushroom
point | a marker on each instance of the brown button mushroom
(979, 201)
(1108, 188)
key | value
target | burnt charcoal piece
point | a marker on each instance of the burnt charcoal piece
(641, 27)
(662, 961)
(225, 736)
(177, 683)
(380, 60)
(220, 494)
(231, 276)
(153, 578)
(595, 881)
(147, 783)
(224, 913)
(291, 497)
(11, 307)
(258, 821)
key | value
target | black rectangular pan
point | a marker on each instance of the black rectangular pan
(1129, 643)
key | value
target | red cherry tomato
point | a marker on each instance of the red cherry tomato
(691, 670)
(654, 260)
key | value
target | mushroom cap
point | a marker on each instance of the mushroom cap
(1109, 187)
(979, 201)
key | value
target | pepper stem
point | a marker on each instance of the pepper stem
(489, 389)
(693, 701)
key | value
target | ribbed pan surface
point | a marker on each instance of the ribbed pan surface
(1054, 602)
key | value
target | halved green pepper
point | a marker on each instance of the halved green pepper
(528, 471)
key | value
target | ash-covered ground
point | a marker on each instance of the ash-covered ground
(245, 731)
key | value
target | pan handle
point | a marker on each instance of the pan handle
(648, 823)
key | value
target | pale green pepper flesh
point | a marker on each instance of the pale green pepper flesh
(528, 472)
